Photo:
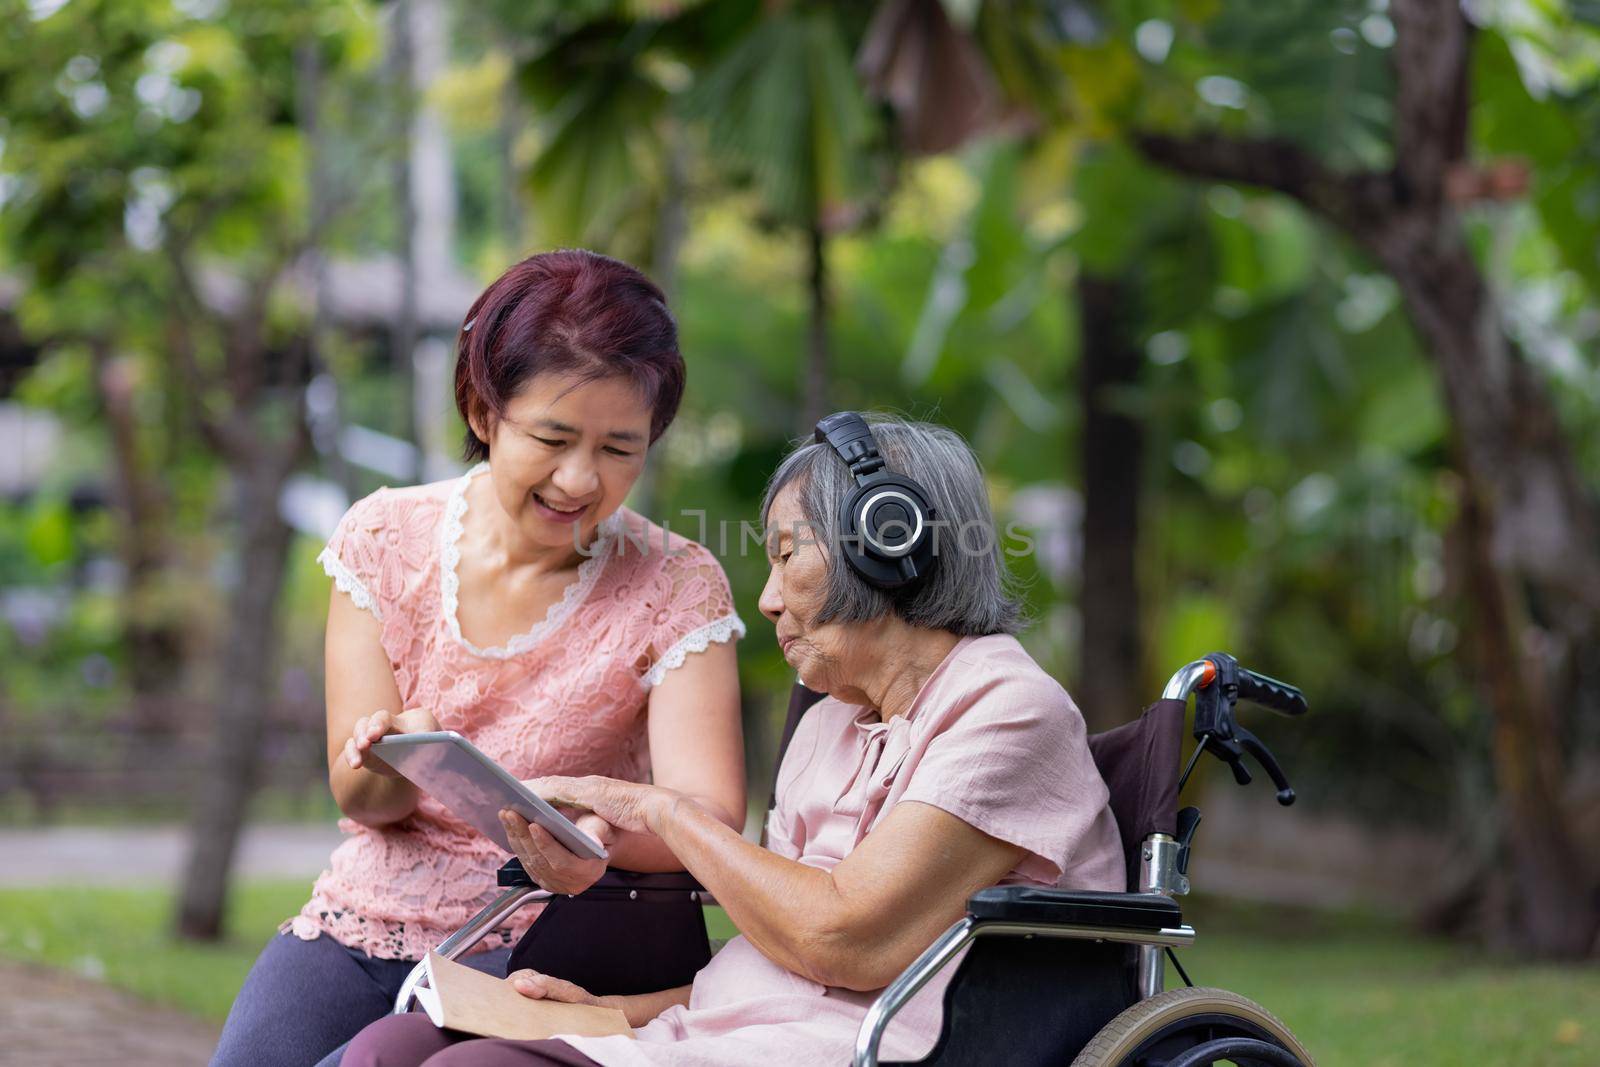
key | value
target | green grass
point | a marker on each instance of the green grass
(1360, 991)
(121, 936)
(1363, 991)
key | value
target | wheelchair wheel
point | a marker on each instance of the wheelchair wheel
(1194, 1028)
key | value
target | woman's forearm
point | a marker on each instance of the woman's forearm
(370, 798)
(648, 853)
(787, 910)
(640, 1008)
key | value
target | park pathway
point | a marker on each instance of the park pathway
(50, 1018)
(154, 855)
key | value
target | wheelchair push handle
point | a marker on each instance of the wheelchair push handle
(1235, 682)
(1218, 682)
(1271, 693)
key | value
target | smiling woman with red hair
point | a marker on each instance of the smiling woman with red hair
(523, 606)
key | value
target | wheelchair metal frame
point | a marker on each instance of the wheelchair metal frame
(949, 945)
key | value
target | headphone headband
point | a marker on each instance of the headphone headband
(850, 436)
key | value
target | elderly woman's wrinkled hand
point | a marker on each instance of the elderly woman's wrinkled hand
(536, 986)
(548, 862)
(629, 806)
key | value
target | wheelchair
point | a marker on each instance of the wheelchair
(1045, 976)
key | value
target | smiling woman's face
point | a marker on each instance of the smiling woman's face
(564, 455)
(795, 590)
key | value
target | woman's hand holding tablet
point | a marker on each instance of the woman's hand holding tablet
(370, 728)
(476, 789)
(548, 862)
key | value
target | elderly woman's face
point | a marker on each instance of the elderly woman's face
(565, 454)
(794, 593)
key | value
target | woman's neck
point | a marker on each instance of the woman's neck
(899, 663)
(503, 545)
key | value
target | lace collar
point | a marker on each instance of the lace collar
(450, 584)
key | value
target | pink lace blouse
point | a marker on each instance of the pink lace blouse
(566, 697)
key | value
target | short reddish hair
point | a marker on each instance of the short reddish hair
(567, 312)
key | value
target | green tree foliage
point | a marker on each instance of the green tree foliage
(156, 199)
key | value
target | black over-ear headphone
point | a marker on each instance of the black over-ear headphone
(886, 531)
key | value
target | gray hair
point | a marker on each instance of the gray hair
(970, 592)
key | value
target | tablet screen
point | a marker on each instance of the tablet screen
(453, 771)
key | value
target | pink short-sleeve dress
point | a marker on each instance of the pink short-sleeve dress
(566, 697)
(992, 739)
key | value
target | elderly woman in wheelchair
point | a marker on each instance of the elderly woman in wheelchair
(940, 762)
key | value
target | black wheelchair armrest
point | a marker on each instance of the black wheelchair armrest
(511, 874)
(1074, 907)
(614, 882)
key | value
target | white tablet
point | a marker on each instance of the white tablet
(453, 771)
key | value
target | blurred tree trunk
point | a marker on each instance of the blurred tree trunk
(507, 129)
(815, 403)
(323, 402)
(666, 249)
(1533, 575)
(151, 634)
(251, 411)
(427, 364)
(1111, 668)
(1533, 874)
(1533, 602)
(244, 690)
(672, 212)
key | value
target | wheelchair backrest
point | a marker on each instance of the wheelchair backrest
(1138, 760)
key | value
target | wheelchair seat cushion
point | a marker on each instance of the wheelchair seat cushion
(621, 936)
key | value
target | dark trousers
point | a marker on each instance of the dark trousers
(413, 1041)
(304, 999)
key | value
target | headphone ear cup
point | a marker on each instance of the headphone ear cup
(887, 535)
